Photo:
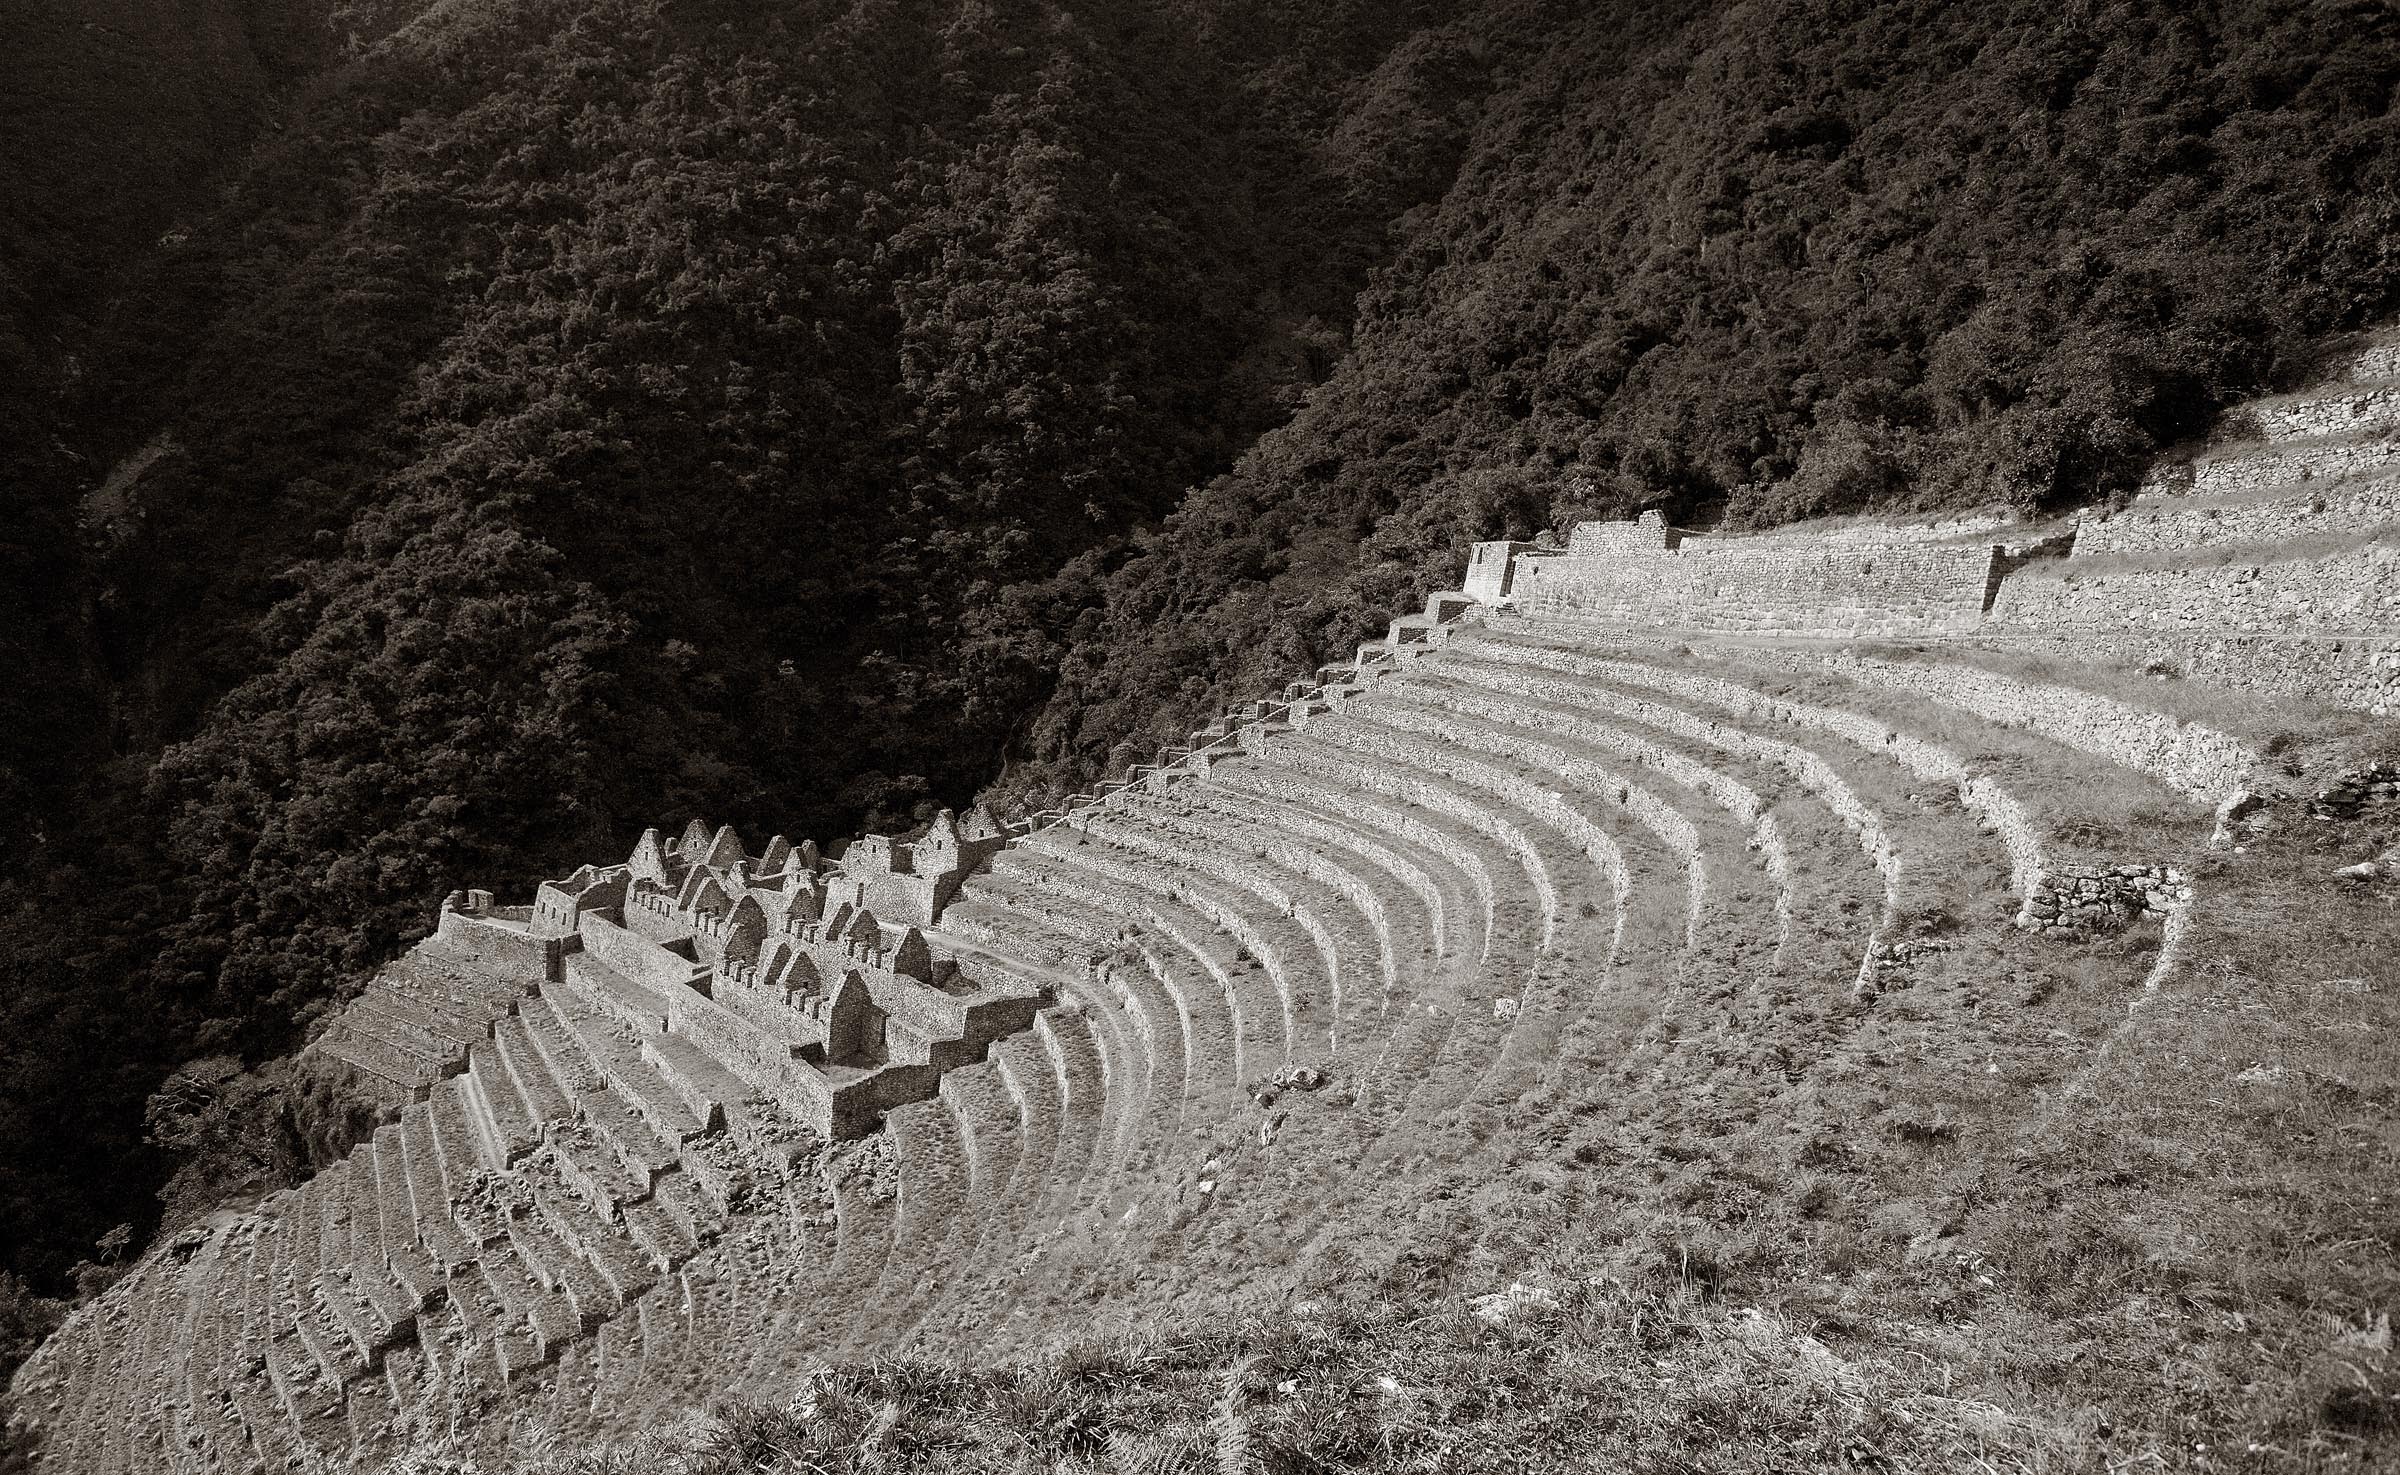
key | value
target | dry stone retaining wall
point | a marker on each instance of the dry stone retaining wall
(1811, 771)
(2360, 673)
(2073, 900)
(2375, 361)
(2366, 408)
(1982, 529)
(2357, 591)
(2056, 898)
(1991, 804)
(2271, 468)
(2352, 792)
(2186, 756)
(2174, 524)
(1405, 783)
(1615, 573)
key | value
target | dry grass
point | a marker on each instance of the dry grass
(1582, 1375)
(2015, 1213)
(2015, 1216)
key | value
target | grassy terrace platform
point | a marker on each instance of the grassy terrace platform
(1561, 1039)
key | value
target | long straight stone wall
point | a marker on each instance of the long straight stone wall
(1645, 574)
(2276, 465)
(2367, 407)
(2175, 524)
(2357, 592)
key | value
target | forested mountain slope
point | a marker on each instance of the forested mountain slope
(567, 414)
(1785, 260)
(115, 116)
(572, 416)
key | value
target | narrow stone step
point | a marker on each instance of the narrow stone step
(557, 1268)
(530, 1072)
(504, 1124)
(428, 1192)
(687, 1204)
(606, 1247)
(1083, 1109)
(658, 1233)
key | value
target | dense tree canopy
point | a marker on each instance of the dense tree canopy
(560, 417)
(502, 427)
(1776, 261)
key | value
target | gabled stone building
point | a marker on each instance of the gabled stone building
(783, 971)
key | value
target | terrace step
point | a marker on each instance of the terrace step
(934, 1200)
(529, 1071)
(1230, 1012)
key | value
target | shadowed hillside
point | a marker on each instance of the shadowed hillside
(1785, 261)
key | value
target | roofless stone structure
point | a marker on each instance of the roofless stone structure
(688, 1124)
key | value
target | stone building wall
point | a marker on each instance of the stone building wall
(496, 946)
(638, 954)
(1645, 534)
(1491, 571)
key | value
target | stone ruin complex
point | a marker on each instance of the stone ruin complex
(690, 1124)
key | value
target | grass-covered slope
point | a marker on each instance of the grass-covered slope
(2040, 1218)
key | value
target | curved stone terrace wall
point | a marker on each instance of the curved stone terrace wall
(1244, 728)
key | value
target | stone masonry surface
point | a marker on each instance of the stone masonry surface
(2176, 524)
(2279, 464)
(2361, 673)
(1642, 574)
(2356, 592)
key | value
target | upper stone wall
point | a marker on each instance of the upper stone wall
(2172, 524)
(1645, 574)
(2375, 361)
(2362, 409)
(2356, 592)
(2280, 465)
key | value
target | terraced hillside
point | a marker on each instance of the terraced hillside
(2268, 564)
(1524, 923)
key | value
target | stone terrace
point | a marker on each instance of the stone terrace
(689, 1124)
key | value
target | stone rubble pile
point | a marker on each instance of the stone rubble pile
(2079, 900)
(2350, 795)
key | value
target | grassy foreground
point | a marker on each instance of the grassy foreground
(2127, 1231)
(1593, 1376)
